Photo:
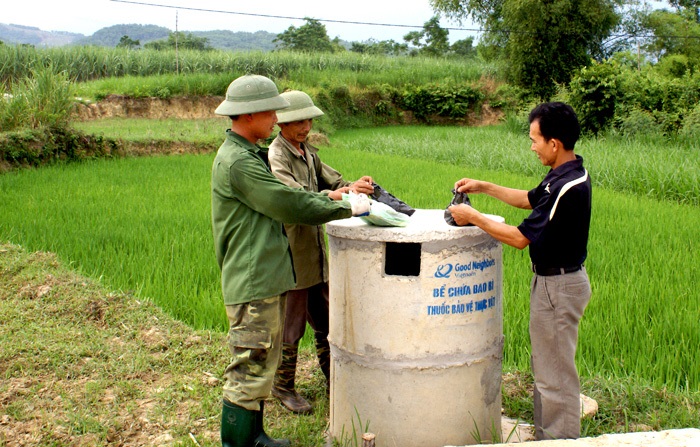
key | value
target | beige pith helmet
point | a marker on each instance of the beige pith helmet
(251, 94)
(301, 107)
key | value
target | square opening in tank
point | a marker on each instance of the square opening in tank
(402, 259)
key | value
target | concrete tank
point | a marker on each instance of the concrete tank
(416, 332)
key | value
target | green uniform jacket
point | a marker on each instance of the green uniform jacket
(248, 206)
(308, 242)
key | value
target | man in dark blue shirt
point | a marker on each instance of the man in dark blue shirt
(557, 233)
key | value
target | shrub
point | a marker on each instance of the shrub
(43, 99)
(36, 147)
(593, 93)
(638, 122)
(691, 123)
(667, 99)
(518, 121)
(507, 97)
(611, 95)
(674, 66)
(446, 101)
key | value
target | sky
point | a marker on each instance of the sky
(87, 16)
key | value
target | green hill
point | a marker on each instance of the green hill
(20, 34)
(238, 40)
(109, 37)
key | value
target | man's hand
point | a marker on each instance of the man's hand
(463, 214)
(514, 197)
(363, 185)
(338, 193)
(469, 186)
(359, 204)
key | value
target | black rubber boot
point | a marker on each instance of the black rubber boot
(323, 352)
(238, 426)
(262, 439)
(283, 387)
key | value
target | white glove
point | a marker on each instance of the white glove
(359, 204)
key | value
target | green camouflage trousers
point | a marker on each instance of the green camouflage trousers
(255, 342)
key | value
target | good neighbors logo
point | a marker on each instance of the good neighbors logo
(458, 270)
(443, 271)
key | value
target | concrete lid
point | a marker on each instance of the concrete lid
(424, 226)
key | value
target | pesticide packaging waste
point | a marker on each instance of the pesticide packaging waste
(381, 214)
(458, 199)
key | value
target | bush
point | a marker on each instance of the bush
(638, 122)
(612, 95)
(445, 101)
(36, 147)
(338, 104)
(674, 66)
(667, 99)
(691, 123)
(593, 93)
(518, 121)
(43, 99)
(507, 97)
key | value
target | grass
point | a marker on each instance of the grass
(153, 242)
(141, 227)
(643, 263)
(648, 167)
(150, 72)
(82, 365)
(623, 405)
(96, 367)
(651, 167)
(172, 130)
(42, 99)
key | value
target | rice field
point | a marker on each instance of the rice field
(143, 225)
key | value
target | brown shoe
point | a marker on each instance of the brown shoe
(292, 400)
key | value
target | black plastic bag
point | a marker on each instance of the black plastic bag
(382, 195)
(459, 198)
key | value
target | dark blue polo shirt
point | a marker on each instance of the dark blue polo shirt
(561, 215)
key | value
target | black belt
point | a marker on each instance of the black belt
(551, 271)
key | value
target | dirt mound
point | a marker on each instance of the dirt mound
(186, 107)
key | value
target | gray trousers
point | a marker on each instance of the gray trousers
(255, 343)
(556, 307)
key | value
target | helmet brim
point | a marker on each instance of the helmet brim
(290, 116)
(231, 107)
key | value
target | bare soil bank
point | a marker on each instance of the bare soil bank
(185, 107)
(199, 107)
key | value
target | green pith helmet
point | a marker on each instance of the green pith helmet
(251, 94)
(301, 107)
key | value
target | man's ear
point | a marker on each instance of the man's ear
(557, 144)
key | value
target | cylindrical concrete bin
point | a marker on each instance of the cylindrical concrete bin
(416, 332)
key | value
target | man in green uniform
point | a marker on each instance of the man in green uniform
(249, 207)
(297, 164)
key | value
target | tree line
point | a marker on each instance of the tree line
(432, 40)
(543, 43)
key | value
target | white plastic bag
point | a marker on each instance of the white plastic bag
(383, 215)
